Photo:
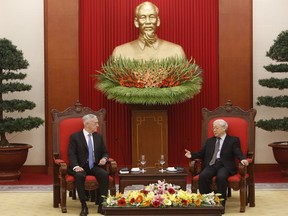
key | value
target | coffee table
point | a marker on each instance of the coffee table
(152, 175)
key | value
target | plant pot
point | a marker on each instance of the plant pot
(280, 152)
(12, 158)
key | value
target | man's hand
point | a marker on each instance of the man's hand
(102, 161)
(187, 153)
(245, 162)
(78, 169)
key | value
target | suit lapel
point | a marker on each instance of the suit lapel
(225, 142)
(83, 140)
(94, 141)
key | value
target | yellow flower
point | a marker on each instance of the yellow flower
(150, 195)
(167, 202)
(183, 195)
(118, 195)
(146, 203)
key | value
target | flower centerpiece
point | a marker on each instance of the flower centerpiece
(164, 82)
(162, 195)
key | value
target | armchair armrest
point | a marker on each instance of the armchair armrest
(242, 170)
(195, 166)
(111, 166)
(250, 157)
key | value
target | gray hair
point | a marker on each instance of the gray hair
(146, 3)
(88, 117)
(222, 123)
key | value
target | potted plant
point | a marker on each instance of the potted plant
(13, 155)
(278, 52)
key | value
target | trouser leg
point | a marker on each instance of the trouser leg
(205, 179)
(80, 185)
(222, 181)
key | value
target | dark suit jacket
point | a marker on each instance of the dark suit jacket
(78, 150)
(230, 149)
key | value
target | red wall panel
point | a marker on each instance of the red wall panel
(191, 23)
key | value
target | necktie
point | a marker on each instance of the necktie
(217, 144)
(91, 161)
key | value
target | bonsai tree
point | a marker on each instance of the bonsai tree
(278, 52)
(11, 61)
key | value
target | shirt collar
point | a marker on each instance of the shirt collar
(85, 132)
(222, 138)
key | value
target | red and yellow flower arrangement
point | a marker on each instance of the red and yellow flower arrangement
(160, 195)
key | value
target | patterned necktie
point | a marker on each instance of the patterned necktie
(91, 161)
(217, 144)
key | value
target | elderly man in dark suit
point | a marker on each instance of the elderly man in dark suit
(87, 153)
(218, 155)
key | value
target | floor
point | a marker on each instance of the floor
(35, 200)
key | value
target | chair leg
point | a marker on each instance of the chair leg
(113, 191)
(243, 194)
(93, 196)
(251, 195)
(56, 196)
(74, 192)
(63, 197)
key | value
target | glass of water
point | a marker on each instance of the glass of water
(162, 162)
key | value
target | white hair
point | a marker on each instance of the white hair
(222, 123)
(88, 117)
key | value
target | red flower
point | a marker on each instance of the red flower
(185, 202)
(144, 191)
(132, 201)
(156, 203)
(122, 202)
(171, 190)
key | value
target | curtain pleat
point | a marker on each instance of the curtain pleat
(193, 24)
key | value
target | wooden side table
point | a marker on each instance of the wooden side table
(152, 175)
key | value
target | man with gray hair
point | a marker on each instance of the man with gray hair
(218, 159)
(87, 153)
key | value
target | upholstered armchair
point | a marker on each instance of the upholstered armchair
(241, 124)
(64, 124)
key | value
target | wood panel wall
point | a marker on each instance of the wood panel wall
(235, 52)
(62, 56)
(61, 61)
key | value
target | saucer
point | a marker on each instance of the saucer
(135, 169)
(171, 169)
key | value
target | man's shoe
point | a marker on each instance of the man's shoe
(84, 211)
(100, 210)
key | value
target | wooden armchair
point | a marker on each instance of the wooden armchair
(64, 124)
(241, 124)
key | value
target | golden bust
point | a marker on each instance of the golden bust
(148, 46)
